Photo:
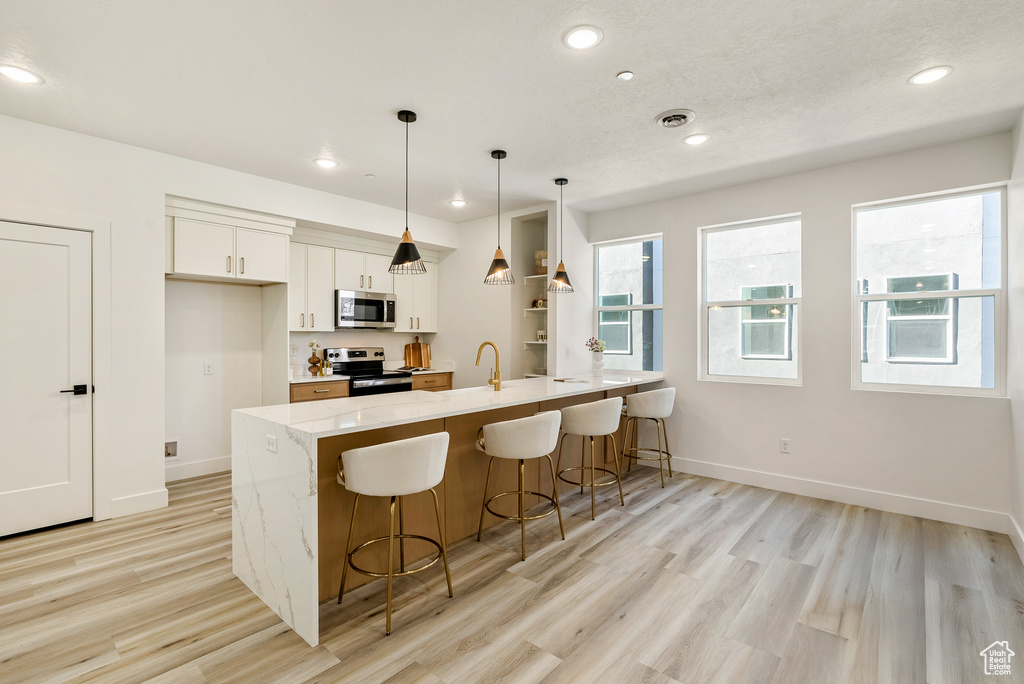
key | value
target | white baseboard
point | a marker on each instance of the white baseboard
(981, 518)
(183, 471)
(1016, 536)
(138, 503)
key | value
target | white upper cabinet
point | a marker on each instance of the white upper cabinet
(261, 256)
(362, 272)
(378, 279)
(204, 248)
(227, 252)
(311, 288)
(416, 301)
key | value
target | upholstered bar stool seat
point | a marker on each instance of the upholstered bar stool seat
(655, 406)
(395, 469)
(521, 440)
(596, 419)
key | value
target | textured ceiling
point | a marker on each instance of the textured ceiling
(266, 87)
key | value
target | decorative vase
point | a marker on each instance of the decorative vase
(314, 364)
(598, 362)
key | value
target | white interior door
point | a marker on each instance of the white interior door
(45, 348)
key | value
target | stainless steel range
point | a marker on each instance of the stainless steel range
(365, 368)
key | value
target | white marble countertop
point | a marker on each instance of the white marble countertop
(355, 414)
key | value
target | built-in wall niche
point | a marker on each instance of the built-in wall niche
(531, 264)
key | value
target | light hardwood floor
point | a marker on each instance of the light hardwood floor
(703, 581)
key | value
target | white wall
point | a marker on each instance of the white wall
(85, 180)
(470, 312)
(214, 323)
(1015, 352)
(943, 457)
(467, 310)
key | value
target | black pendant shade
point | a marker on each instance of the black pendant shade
(407, 259)
(499, 273)
(560, 281)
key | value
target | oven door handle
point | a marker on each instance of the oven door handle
(380, 382)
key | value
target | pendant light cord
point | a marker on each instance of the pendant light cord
(499, 203)
(561, 225)
(407, 175)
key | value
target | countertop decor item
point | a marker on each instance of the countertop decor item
(407, 259)
(597, 346)
(500, 273)
(417, 354)
(560, 281)
(314, 361)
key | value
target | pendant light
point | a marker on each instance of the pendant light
(407, 259)
(499, 273)
(560, 281)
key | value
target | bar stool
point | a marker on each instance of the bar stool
(656, 406)
(596, 419)
(395, 469)
(521, 439)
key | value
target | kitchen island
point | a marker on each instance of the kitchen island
(290, 516)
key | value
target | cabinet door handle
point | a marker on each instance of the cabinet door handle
(229, 263)
(361, 281)
(241, 262)
(417, 322)
(312, 320)
(370, 284)
(410, 322)
(320, 391)
(302, 320)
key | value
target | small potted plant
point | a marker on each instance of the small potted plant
(596, 347)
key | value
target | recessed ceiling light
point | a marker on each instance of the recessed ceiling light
(20, 75)
(697, 139)
(624, 75)
(583, 37)
(930, 75)
(458, 203)
(325, 163)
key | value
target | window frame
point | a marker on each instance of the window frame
(704, 307)
(860, 300)
(629, 307)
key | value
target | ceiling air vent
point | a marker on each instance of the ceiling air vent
(675, 118)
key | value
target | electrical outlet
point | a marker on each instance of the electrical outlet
(784, 445)
(207, 368)
(272, 444)
(293, 350)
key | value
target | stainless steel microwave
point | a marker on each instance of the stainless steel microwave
(363, 309)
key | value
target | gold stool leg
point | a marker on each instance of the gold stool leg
(522, 510)
(668, 452)
(661, 454)
(592, 480)
(558, 458)
(483, 505)
(401, 542)
(630, 439)
(554, 486)
(348, 545)
(583, 465)
(444, 548)
(618, 468)
(391, 564)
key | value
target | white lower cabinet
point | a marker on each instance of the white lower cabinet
(416, 301)
(311, 288)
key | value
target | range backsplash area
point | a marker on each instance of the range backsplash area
(393, 343)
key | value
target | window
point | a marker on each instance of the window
(615, 327)
(756, 261)
(928, 301)
(629, 303)
(920, 330)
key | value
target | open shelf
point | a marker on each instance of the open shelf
(532, 310)
(543, 275)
